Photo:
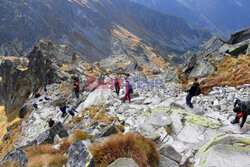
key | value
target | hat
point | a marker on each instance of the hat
(116, 79)
(50, 117)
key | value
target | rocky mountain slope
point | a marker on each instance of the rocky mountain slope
(88, 27)
(221, 17)
(157, 127)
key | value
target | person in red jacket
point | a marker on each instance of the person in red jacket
(77, 89)
(129, 90)
(117, 85)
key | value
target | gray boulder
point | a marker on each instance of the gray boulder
(109, 130)
(240, 48)
(79, 155)
(240, 36)
(48, 136)
(169, 152)
(17, 155)
(166, 162)
(124, 162)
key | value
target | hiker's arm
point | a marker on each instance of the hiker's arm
(120, 85)
(237, 102)
(243, 120)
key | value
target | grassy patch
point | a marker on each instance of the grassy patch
(10, 164)
(46, 155)
(129, 145)
(231, 71)
(78, 134)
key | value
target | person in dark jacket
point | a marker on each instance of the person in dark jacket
(242, 111)
(51, 122)
(192, 92)
(117, 85)
(63, 109)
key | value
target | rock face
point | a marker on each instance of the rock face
(18, 84)
(79, 155)
(124, 162)
(203, 63)
(15, 155)
(229, 150)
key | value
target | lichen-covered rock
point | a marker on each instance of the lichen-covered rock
(17, 155)
(79, 155)
(124, 162)
(228, 150)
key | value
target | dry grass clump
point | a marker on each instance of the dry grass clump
(231, 71)
(78, 134)
(42, 149)
(10, 164)
(128, 145)
(64, 147)
(46, 155)
(56, 160)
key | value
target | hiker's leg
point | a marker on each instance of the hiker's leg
(124, 99)
(129, 98)
(118, 91)
(188, 100)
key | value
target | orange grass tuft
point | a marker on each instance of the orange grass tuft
(129, 145)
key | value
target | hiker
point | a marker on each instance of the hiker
(63, 109)
(45, 90)
(194, 91)
(71, 111)
(242, 110)
(51, 122)
(77, 89)
(35, 106)
(129, 90)
(37, 95)
(117, 85)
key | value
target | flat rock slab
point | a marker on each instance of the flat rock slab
(124, 162)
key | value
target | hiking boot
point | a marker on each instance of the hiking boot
(234, 121)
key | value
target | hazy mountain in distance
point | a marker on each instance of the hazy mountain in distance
(218, 16)
(87, 26)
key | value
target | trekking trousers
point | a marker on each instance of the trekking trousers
(117, 90)
(125, 97)
(188, 100)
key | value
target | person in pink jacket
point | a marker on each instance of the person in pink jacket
(128, 91)
(117, 85)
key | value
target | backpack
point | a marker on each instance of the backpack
(198, 91)
(247, 105)
(116, 84)
(130, 89)
(76, 86)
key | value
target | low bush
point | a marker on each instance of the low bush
(128, 145)
(78, 134)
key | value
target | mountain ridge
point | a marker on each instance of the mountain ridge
(86, 27)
